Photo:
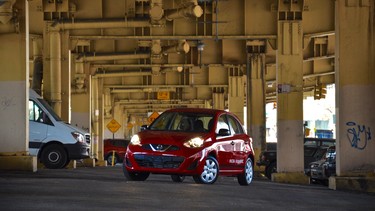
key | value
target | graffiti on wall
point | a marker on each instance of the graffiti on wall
(358, 135)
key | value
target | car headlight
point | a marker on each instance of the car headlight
(194, 143)
(79, 137)
(135, 140)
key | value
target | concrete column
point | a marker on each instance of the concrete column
(94, 116)
(236, 92)
(14, 94)
(290, 153)
(218, 99)
(55, 68)
(256, 103)
(355, 96)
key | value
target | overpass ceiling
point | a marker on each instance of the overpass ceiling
(188, 48)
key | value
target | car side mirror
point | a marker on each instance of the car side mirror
(144, 127)
(223, 132)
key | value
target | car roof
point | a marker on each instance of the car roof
(197, 110)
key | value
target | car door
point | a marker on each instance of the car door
(37, 127)
(224, 144)
(239, 141)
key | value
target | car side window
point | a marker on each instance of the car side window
(36, 114)
(234, 125)
(222, 123)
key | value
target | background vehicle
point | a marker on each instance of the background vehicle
(114, 150)
(202, 143)
(314, 149)
(53, 141)
(321, 170)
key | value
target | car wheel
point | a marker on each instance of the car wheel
(247, 176)
(271, 169)
(177, 178)
(135, 176)
(54, 157)
(210, 172)
(109, 158)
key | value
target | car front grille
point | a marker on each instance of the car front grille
(88, 139)
(160, 147)
(155, 161)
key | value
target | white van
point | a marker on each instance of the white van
(54, 142)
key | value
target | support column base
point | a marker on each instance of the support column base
(291, 177)
(101, 163)
(88, 162)
(362, 184)
(19, 162)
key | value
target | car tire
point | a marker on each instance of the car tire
(135, 176)
(271, 169)
(210, 172)
(247, 176)
(109, 159)
(177, 178)
(54, 157)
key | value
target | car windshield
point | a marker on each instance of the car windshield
(183, 121)
(49, 109)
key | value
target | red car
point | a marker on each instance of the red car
(202, 143)
(114, 150)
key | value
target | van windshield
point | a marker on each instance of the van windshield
(49, 109)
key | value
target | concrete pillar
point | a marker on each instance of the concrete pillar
(218, 98)
(97, 108)
(236, 92)
(290, 153)
(355, 96)
(256, 102)
(94, 116)
(14, 94)
(55, 68)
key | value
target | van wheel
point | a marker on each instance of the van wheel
(54, 157)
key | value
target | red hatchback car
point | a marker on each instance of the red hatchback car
(203, 143)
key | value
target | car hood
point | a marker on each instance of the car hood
(168, 137)
(318, 163)
(74, 128)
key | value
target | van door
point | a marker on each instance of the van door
(38, 127)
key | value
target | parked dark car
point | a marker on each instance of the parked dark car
(202, 143)
(114, 150)
(314, 150)
(321, 170)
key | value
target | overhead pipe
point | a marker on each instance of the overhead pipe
(181, 47)
(194, 11)
(122, 74)
(103, 57)
(156, 11)
(143, 90)
(99, 24)
(55, 68)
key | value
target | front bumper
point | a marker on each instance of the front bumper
(160, 163)
(78, 150)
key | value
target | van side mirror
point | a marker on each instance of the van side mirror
(144, 127)
(223, 132)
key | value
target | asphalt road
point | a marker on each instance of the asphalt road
(105, 188)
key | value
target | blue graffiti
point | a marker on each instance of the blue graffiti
(358, 135)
